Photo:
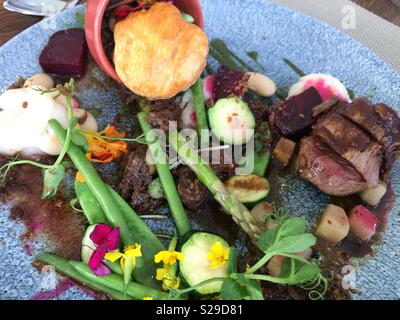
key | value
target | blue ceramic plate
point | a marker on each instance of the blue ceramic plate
(253, 25)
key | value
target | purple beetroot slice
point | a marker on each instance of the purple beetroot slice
(230, 83)
(296, 113)
(65, 54)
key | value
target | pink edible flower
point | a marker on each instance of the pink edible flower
(106, 238)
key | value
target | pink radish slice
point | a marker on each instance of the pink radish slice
(208, 88)
(188, 116)
(326, 85)
(362, 222)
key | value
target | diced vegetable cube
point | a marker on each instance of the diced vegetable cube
(262, 213)
(284, 150)
(274, 265)
(333, 225)
(373, 196)
(362, 222)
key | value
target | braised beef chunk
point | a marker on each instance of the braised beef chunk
(135, 180)
(351, 143)
(190, 189)
(224, 167)
(327, 170)
(362, 113)
(296, 114)
(162, 112)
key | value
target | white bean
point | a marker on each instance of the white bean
(89, 124)
(39, 79)
(261, 84)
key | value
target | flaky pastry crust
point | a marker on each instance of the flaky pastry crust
(157, 53)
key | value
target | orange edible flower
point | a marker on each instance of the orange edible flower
(104, 150)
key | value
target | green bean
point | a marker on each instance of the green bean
(128, 229)
(261, 162)
(198, 99)
(116, 282)
(167, 181)
(89, 204)
(62, 265)
(151, 245)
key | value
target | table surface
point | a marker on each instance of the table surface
(13, 23)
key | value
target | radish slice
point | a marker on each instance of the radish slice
(208, 89)
(362, 222)
(326, 85)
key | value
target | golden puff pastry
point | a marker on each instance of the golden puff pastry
(157, 53)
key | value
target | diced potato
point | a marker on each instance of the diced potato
(362, 222)
(284, 150)
(373, 196)
(274, 265)
(261, 213)
(333, 225)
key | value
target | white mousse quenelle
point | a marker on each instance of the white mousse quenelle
(24, 117)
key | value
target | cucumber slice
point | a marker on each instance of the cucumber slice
(88, 245)
(232, 121)
(248, 189)
(195, 266)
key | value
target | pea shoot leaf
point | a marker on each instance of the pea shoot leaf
(292, 227)
(294, 244)
(241, 289)
(232, 290)
(267, 239)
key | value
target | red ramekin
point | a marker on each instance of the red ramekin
(93, 20)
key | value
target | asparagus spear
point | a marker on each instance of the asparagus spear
(240, 214)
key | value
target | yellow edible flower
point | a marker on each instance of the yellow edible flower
(218, 255)
(127, 260)
(169, 280)
(168, 257)
(129, 252)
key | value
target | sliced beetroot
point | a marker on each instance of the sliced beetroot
(65, 55)
(296, 113)
(362, 222)
(230, 83)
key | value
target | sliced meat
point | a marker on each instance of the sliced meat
(392, 121)
(162, 112)
(362, 113)
(296, 113)
(351, 143)
(135, 179)
(327, 170)
(190, 189)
